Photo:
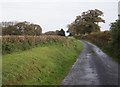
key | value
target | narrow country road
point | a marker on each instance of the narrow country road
(92, 67)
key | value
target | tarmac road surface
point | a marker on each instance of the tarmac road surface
(92, 67)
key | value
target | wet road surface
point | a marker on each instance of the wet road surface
(92, 67)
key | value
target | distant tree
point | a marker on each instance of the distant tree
(50, 33)
(37, 29)
(61, 32)
(72, 29)
(57, 32)
(11, 30)
(22, 28)
(86, 23)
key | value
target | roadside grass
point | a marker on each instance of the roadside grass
(42, 65)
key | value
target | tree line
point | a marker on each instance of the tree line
(26, 28)
(21, 28)
(57, 32)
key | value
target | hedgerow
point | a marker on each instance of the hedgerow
(19, 43)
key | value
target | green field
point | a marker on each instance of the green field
(42, 65)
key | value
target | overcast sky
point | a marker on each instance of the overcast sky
(55, 14)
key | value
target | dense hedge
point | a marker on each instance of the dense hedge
(19, 43)
(115, 34)
(105, 41)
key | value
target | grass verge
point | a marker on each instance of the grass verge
(46, 65)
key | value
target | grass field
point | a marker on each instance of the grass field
(42, 65)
